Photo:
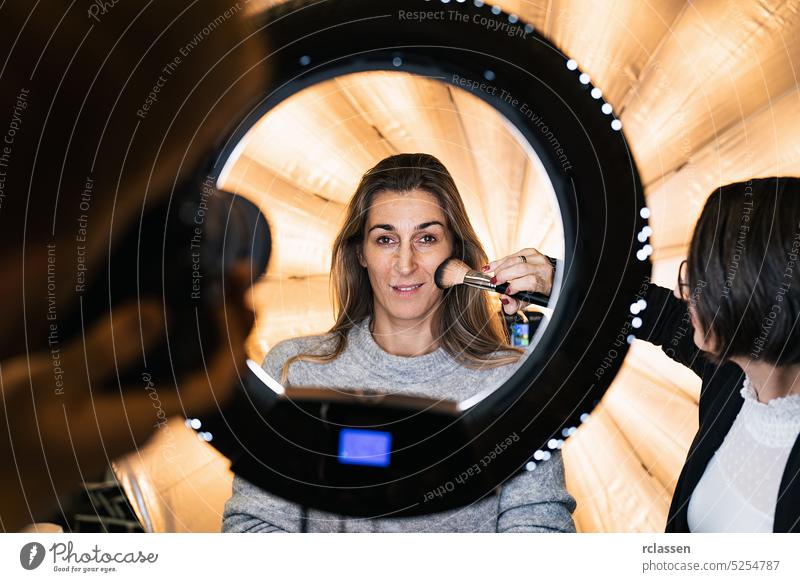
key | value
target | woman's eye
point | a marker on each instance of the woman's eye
(426, 239)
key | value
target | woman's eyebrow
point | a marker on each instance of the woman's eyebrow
(422, 226)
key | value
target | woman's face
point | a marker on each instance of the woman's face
(406, 238)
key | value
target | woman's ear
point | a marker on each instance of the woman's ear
(360, 257)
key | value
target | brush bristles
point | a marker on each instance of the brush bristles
(450, 273)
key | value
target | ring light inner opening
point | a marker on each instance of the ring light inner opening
(302, 161)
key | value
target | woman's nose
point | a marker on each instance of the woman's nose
(405, 259)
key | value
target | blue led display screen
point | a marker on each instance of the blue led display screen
(364, 447)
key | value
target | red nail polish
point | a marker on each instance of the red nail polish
(504, 301)
(485, 268)
(494, 280)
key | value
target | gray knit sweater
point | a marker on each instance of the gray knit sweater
(534, 501)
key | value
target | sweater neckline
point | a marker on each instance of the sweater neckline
(404, 368)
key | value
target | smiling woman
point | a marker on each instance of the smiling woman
(396, 331)
(405, 219)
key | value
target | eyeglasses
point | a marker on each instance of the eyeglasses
(683, 280)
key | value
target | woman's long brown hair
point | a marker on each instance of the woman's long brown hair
(469, 330)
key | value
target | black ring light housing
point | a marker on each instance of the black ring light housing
(290, 443)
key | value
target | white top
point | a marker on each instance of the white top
(738, 491)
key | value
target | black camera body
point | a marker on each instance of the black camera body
(178, 254)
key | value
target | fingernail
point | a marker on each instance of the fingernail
(485, 268)
(504, 301)
(494, 280)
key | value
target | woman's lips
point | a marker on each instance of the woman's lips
(407, 293)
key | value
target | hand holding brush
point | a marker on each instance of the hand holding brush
(526, 276)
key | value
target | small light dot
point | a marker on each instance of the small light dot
(512, 18)
(478, 3)
(648, 231)
(597, 93)
(572, 64)
(642, 304)
(489, 75)
(305, 60)
(552, 443)
(196, 424)
(641, 255)
(496, 10)
(606, 108)
(573, 430)
(397, 61)
(630, 338)
(641, 236)
(547, 456)
(645, 212)
(445, 1)
(648, 249)
(636, 322)
(584, 417)
(616, 125)
(530, 466)
(584, 78)
(528, 28)
(635, 308)
(538, 455)
(564, 432)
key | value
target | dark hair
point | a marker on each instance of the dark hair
(742, 270)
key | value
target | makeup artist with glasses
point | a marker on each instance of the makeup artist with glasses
(733, 319)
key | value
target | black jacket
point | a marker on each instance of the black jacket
(666, 323)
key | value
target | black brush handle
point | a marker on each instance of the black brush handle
(527, 296)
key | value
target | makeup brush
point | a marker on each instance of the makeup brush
(455, 272)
